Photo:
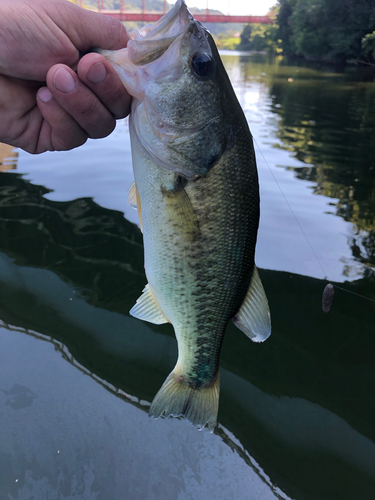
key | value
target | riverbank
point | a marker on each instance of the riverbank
(8, 155)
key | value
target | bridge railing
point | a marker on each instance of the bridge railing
(151, 16)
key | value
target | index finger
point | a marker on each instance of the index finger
(98, 74)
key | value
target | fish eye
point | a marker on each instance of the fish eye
(201, 64)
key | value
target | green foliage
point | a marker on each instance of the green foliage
(151, 5)
(258, 37)
(226, 43)
(245, 37)
(368, 45)
(284, 24)
(327, 29)
(310, 35)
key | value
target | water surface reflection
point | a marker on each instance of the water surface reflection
(326, 121)
(296, 409)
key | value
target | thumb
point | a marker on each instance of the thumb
(91, 29)
(87, 29)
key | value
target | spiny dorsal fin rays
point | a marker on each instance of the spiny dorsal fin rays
(134, 201)
(253, 317)
(147, 308)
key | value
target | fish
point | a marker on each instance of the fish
(197, 194)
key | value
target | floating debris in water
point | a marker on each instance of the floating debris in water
(328, 294)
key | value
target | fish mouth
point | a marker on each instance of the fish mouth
(152, 41)
(160, 53)
(171, 23)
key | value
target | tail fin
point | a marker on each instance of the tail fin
(177, 399)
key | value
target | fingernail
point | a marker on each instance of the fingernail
(97, 73)
(44, 94)
(64, 81)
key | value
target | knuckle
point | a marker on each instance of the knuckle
(111, 91)
(95, 118)
(69, 141)
(119, 102)
(89, 106)
(117, 31)
(115, 98)
(104, 130)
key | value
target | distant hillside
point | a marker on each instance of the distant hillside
(151, 5)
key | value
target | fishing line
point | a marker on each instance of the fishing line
(303, 232)
(354, 293)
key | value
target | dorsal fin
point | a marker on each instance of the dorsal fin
(253, 317)
(147, 308)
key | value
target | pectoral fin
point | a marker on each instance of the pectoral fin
(253, 317)
(147, 309)
(132, 196)
(134, 201)
(181, 209)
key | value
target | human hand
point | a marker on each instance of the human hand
(40, 43)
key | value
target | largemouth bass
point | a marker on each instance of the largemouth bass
(196, 191)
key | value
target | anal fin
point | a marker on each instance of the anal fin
(147, 308)
(253, 317)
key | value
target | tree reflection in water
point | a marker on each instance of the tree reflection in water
(328, 122)
(72, 270)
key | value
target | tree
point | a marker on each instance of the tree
(368, 45)
(328, 29)
(284, 24)
(245, 36)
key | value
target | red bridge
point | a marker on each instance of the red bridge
(152, 16)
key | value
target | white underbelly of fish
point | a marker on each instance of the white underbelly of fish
(167, 249)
